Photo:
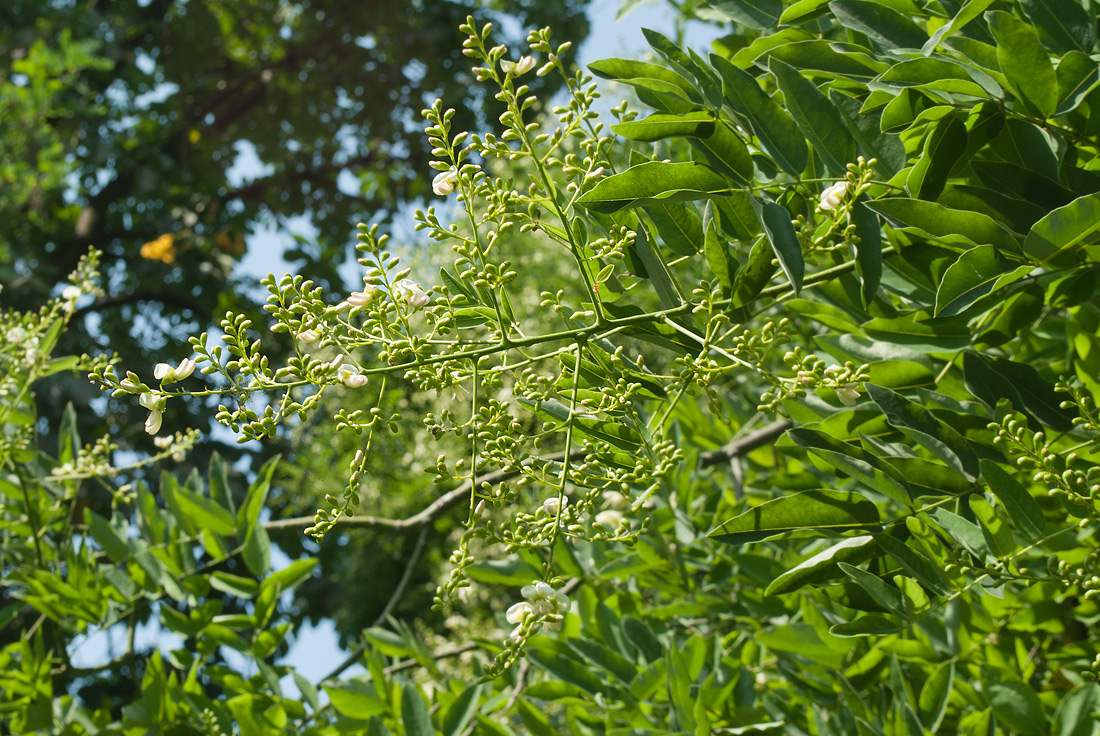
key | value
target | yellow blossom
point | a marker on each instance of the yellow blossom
(162, 249)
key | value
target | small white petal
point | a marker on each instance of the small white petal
(152, 424)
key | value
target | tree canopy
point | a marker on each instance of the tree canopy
(765, 405)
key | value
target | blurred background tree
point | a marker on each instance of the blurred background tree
(125, 124)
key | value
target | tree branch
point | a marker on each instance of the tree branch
(744, 445)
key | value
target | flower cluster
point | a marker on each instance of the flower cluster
(541, 603)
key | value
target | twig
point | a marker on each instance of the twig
(742, 446)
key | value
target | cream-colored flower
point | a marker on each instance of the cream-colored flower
(166, 374)
(611, 518)
(544, 600)
(411, 293)
(309, 335)
(350, 377)
(518, 68)
(848, 394)
(444, 182)
(155, 405)
(833, 196)
(552, 505)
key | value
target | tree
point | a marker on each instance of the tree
(807, 451)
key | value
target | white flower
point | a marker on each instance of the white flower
(517, 68)
(155, 405)
(71, 293)
(351, 377)
(16, 335)
(544, 600)
(152, 424)
(551, 505)
(611, 518)
(360, 298)
(518, 612)
(848, 394)
(832, 197)
(444, 182)
(411, 293)
(309, 335)
(616, 500)
(165, 373)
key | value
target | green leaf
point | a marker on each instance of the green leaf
(563, 665)
(654, 182)
(872, 625)
(1037, 394)
(914, 563)
(935, 695)
(803, 10)
(777, 131)
(204, 513)
(968, 12)
(783, 238)
(921, 426)
(249, 512)
(1024, 511)
(755, 274)
(1064, 228)
(758, 14)
(822, 566)
(885, 26)
(943, 149)
(1065, 24)
(257, 551)
(934, 75)
(830, 59)
(219, 483)
(884, 594)
(868, 249)
(630, 71)
(414, 712)
(962, 531)
(660, 126)
(1024, 61)
(994, 528)
(108, 539)
(726, 152)
(976, 273)
(511, 571)
(853, 460)
(1017, 706)
(817, 117)
(812, 511)
(930, 335)
(678, 226)
(959, 228)
(241, 587)
(293, 574)
(1077, 76)
(1074, 715)
(355, 698)
(716, 250)
(871, 141)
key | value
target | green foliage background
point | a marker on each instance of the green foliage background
(822, 455)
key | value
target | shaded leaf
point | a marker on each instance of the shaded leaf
(1024, 511)
(814, 511)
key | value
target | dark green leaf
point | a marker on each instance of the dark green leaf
(959, 228)
(1024, 511)
(660, 126)
(976, 273)
(832, 59)
(968, 12)
(654, 182)
(678, 226)
(249, 512)
(914, 563)
(924, 428)
(962, 531)
(725, 152)
(885, 26)
(1063, 23)
(816, 116)
(257, 551)
(935, 75)
(777, 131)
(943, 149)
(1064, 228)
(935, 695)
(815, 511)
(822, 566)
(1024, 61)
(107, 538)
(872, 625)
(219, 483)
(783, 238)
(1074, 715)
(927, 335)
(414, 712)
(1035, 392)
(995, 529)
(755, 274)
(629, 71)
(884, 594)
(853, 460)
(1077, 76)
(760, 14)
(871, 141)
(1017, 706)
(868, 250)
(717, 254)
